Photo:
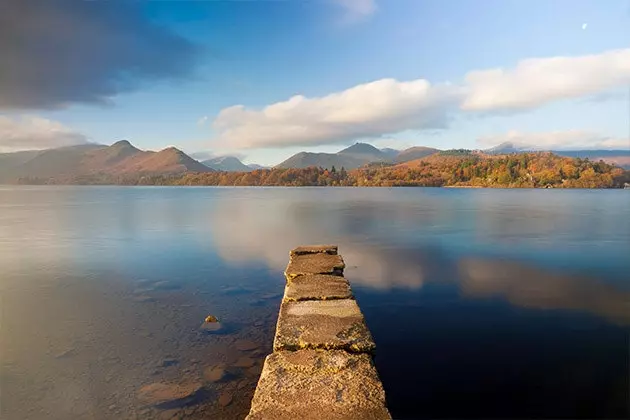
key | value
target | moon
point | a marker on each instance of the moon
(584, 25)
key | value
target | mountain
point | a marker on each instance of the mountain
(167, 161)
(94, 162)
(504, 148)
(349, 158)
(323, 160)
(364, 151)
(226, 164)
(50, 163)
(414, 153)
(10, 161)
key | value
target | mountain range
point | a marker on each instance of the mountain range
(121, 160)
(355, 156)
(73, 163)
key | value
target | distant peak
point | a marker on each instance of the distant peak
(220, 159)
(360, 148)
(505, 147)
(122, 143)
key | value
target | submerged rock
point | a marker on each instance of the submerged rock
(65, 353)
(214, 373)
(165, 285)
(225, 399)
(168, 362)
(212, 327)
(245, 362)
(234, 290)
(254, 370)
(246, 345)
(170, 414)
(211, 318)
(167, 394)
(144, 298)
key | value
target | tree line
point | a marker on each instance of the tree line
(458, 168)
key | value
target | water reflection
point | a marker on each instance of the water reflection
(375, 239)
(103, 291)
(531, 287)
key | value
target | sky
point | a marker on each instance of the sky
(264, 79)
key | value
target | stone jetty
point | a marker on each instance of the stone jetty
(321, 366)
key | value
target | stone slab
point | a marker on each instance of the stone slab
(317, 287)
(322, 324)
(319, 263)
(314, 249)
(314, 384)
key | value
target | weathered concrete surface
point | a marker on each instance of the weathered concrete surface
(319, 263)
(314, 249)
(326, 324)
(315, 384)
(317, 287)
(322, 365)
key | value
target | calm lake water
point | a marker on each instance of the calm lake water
(482, 303)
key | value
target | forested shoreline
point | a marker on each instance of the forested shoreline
(447, 169)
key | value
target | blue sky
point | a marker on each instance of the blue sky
(404, 66)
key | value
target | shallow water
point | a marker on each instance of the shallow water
(483, 303)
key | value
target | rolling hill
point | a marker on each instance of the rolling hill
(414, 153)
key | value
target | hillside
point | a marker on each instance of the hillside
(458, 168)
(414, 153)
(10, 161)
(50, 163)
(522, 170)
(95, 164)
(615, 157)
(170, 161)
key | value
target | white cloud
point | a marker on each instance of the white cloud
(568, 139)
(356, 9)
(371, 109)
(537, 81)
(202, 121)
(34, 133)
(389, 106)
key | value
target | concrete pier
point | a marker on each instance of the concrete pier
(321, 366)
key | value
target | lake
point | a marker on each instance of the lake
(482, 303)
